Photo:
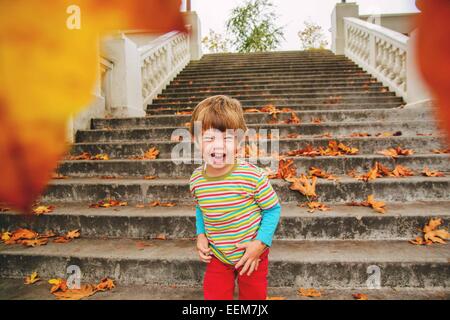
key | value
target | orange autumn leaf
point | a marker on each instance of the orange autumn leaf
(105, 284)
(431, 234)
(378, 206)
(34, 242)
(360, 296)
(401, 171)
(317, 172)
(33, 278)
(396, 152)
(48, 72)
(275, 298)
(85, 291)
(58, 285)
(432, 173)
(161, 204)
(316, 206)
(311, 292)
(21, 234)
(294, 119)
(43, 209)
(303, 185)
(433, 54)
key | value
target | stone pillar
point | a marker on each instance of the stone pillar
(126, 86)
(195, 39)
(341, 11)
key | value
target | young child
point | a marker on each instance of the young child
(237, 210)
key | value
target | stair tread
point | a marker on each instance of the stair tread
(13, 289)
(410, 209)
(184, 181)
(293, 251)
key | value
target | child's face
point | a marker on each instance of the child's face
(219, 148)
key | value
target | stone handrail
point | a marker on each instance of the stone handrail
(161, 61)
(380, 51)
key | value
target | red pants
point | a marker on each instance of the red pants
(219, 279)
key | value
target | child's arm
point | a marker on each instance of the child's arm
(199, 223)
(268, 201)
(269, 222)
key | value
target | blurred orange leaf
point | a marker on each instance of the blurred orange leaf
(48, 70)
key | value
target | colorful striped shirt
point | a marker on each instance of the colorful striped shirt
(233, 206)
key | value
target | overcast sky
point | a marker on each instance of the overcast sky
(292, 14)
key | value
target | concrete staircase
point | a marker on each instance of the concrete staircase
(325, 250)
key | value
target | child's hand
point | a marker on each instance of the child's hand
(251, 256)
(203, 248)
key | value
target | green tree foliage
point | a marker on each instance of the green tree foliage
(215, 42)
(312, 37)
(253, 27)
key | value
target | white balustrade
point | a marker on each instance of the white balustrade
(380, 51)
(161, 61)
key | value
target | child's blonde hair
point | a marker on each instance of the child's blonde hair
(219, 112)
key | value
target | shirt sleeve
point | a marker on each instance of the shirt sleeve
(265, 195)
(199, 223)
(269, 222)
(268, 201)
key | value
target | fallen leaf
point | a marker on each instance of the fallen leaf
(360, 296)
(43, 209)
(432, 173)
(303, 185)
(33, 278)
(311, 292)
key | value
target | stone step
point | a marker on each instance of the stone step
(366, 145)
(400, 222)
(342, 116)
(327, 102)
(261, 80)
(266, 66)
(307, 107)
(360, 93)
(13, 289)
(271, 87)
(267, 92)
(318, 264)
(304, 129)
(306, 74)
(347, 189)
(305, 69)
(276, 56)
(166, 168)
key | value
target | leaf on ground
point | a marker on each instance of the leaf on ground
(33, 278)
(58, 285)
(105, 284)
(294, 119)
(360, 296)
(396, 152)
(275, 298)
(432, 173)
(431, 234)
(303, 185)
(109, 203)
(311, 292)
(161, 204)
(43, 209)
(317, 172)
(313, 205)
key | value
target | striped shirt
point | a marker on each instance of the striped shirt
(231, 205)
